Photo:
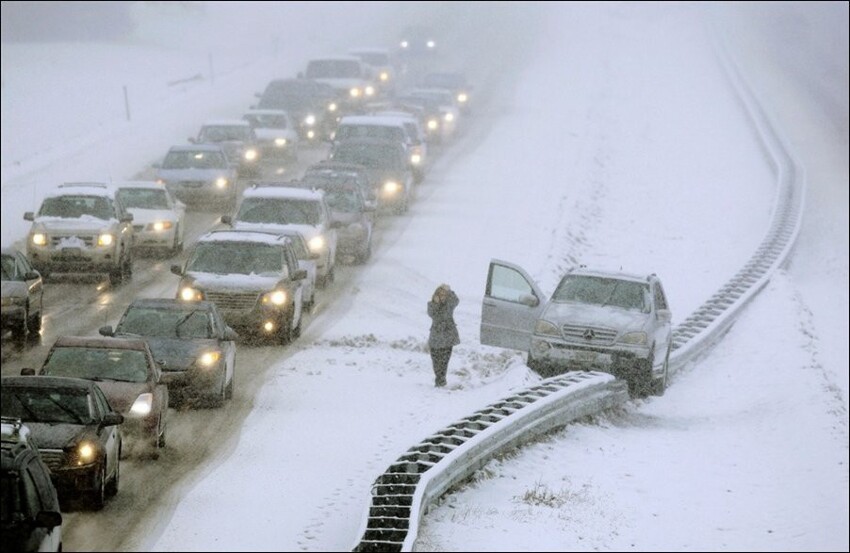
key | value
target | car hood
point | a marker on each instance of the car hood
(308, 231)
(193, 174)
(268, 135)
(87, 223)
(178, 354)
(14, 289)
(233, 283)
(121, 395)
(145, 216)
(60, 435)
(581, 314)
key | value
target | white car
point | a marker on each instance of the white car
(350, 77)
(159, 219)
(306, 260)
(277, 136)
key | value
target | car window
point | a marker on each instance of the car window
(343, 200)
(10, 268)
(508, 284)
(280, 211)
(165, 323)
(144, 198)
(101, 403)
(122, 365)
(299, 248)
(242, 258)
(291, 260)
(38, 404)
(194, 160)
(603, 291)
(75, 207)
(660, 298)
(370, 155)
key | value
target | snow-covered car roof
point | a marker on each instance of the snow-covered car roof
(198, 147)
(243, 236)
(227, 123)
(382, 120)
(82, 189)
(283, 192)
(619, 275)
(337, 58)
(139, 184)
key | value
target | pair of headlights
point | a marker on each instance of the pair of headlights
(103, 239)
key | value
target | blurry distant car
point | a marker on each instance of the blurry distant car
(31, 515)
(359, 174)
(76, 430)
(82, 228)
(415, 138)
(350, 77)
(252, 277)
(199, 175)
(239, 141)
(348, 208)
(313, 106)
(446, 104)
(193, 345)
(380, 62)
(416, 41)
(128, 375)
(429, 112)
(612, 321)
(277, 135)
(282, 206)
(390, 127)
(388, 162)
(455, 82)
(23, 293)
(158, 217)
(307, 261)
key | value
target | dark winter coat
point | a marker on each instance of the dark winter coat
(443, 329)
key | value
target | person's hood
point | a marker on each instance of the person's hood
(144, 216)
(581, 314)
(61, 435)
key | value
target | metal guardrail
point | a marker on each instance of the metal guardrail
(448, 457)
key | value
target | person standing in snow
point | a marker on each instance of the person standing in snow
(443, 336)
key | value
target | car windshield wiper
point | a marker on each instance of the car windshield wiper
(66, 410)
(183, 320)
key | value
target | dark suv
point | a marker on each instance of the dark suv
(31, 517)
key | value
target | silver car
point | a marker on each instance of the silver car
(23, 292)
(199, 175)
(610, 321)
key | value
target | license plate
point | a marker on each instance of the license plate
(72, 252)
(585, 356)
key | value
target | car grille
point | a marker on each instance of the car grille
(231, 300)
(191, 183)
(590, 335)
(87, 240)
(53, 458)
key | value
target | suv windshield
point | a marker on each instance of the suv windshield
(241, 258)
(265, 120)
(343, 199)
(333, 69)
(194, 160)
(224, 133)
(165, 323)
(370, 155)
(75, 207)
(123, 365)
(625, 294)
(380, 132)
(280, 211)
(47, 405)
(143, 198)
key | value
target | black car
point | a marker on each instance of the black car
(313, 106)
(388, 163)
(30, 516)
(190, 341)
(360, 174)
(76, 430)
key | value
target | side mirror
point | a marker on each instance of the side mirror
(32, 275)
(230, 334)
(300, 274)
(529, 299)
(177, 270)
(48, 519)
(127, 218)
(29, 216)
(106, 331)
(227, 220)
(112, 419)
(665, 315)
(27, 372)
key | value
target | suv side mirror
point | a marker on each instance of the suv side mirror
(32, 275)
(29, 216)
(300, 274)
(127, 218)
(230, 334)
(227, 220)
(106, 331)
(664, 315)
(48, 519)
(27, 372)
(529, 299)
(177, 270)
(112, 419)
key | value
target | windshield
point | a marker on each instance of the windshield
(241, 258)
(194, 160)
(343, 199)
(625, 294)
(143, 198)
(39, 404)
(224, 133)
(122, 365)
(333, 69)
(299, 247)
(371, 155)
(75, 207)
(280, 211)
(165, 323)
(381, 132)
(9, 271)
(265, 121)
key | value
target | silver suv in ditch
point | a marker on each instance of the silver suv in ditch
(252, 277)
(82, 228)
(595, 320)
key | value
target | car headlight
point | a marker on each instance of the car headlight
(415, 159)
(86, 453)
(280, 142)
(449, 117)
(316, 244)
(221, 182)
(310, 120)
(142, 406)
(105, 239)
(431, 44)
(634, 338)
(250, 154)
(332, 106)
(209, 358)
(433, 124)
(384, 76)
(276, 297)
(311, 134)
(391, 187)
(355, 92)
(187, 293)
(161, 182)
(404, 44)
(462, 97)
(370, 90)
(159, 226)
(39, 239)
(546, 328)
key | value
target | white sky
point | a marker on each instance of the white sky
(617, 142)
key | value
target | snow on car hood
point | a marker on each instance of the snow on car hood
(144, 216)
(86, 223)
(308, 231)
(233, 282)
(60, 435)
(583, 314)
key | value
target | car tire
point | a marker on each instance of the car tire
(365, 255)
(659, 385)
(112, 486)
(536, 366)
(216, 400)
(640, 380)
(284, 331)
(296, 332)
(20, 332)
(97, 498)
(177, 247)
